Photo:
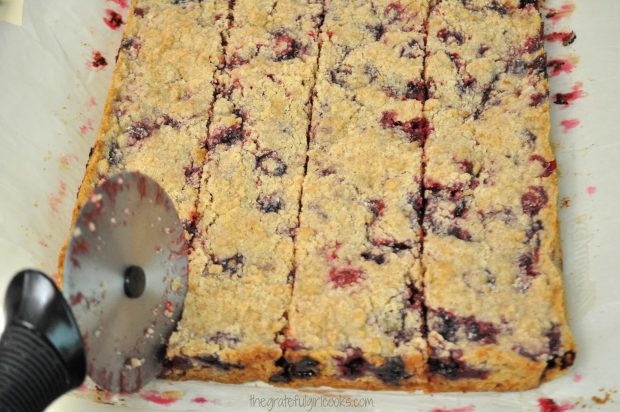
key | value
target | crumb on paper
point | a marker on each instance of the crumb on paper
(176, 284)
(601, 401)
(565, 202)
(605, 398)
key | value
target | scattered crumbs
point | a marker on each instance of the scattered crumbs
(577, 377)
(148, 333)
(91, 226)
(167, 230)
(591, 190)
(43, 243)
(603, 400)
(565, 202)
(105, 397)
(569, 124)
(96, 197)
(113, 220)
(126, 211)
(607, 393)
(77, 232)
(163, 398)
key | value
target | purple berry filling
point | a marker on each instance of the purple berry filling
(392, 371)
(305, 368)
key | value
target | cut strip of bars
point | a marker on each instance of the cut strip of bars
(160, 98)
(355, 318)
(493, 285)
(242, 259)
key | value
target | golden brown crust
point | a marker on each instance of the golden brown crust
(453, 366)
(90, 175)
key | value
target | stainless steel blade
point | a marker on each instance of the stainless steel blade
(127, 221)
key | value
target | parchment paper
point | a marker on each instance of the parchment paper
(51, 100)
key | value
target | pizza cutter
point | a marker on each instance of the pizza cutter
(124, 283)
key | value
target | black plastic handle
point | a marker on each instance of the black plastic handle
(32, 375)
(42, 354)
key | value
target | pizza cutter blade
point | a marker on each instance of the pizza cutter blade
(125, 277)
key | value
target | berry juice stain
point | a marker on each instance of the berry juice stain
(549, 405)
(561, 65)
(97, 61)
(164, 398)
(564, 37)
(569, 124)
(113, 19)
(566, 99)
(560, 13)
(122, 3)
